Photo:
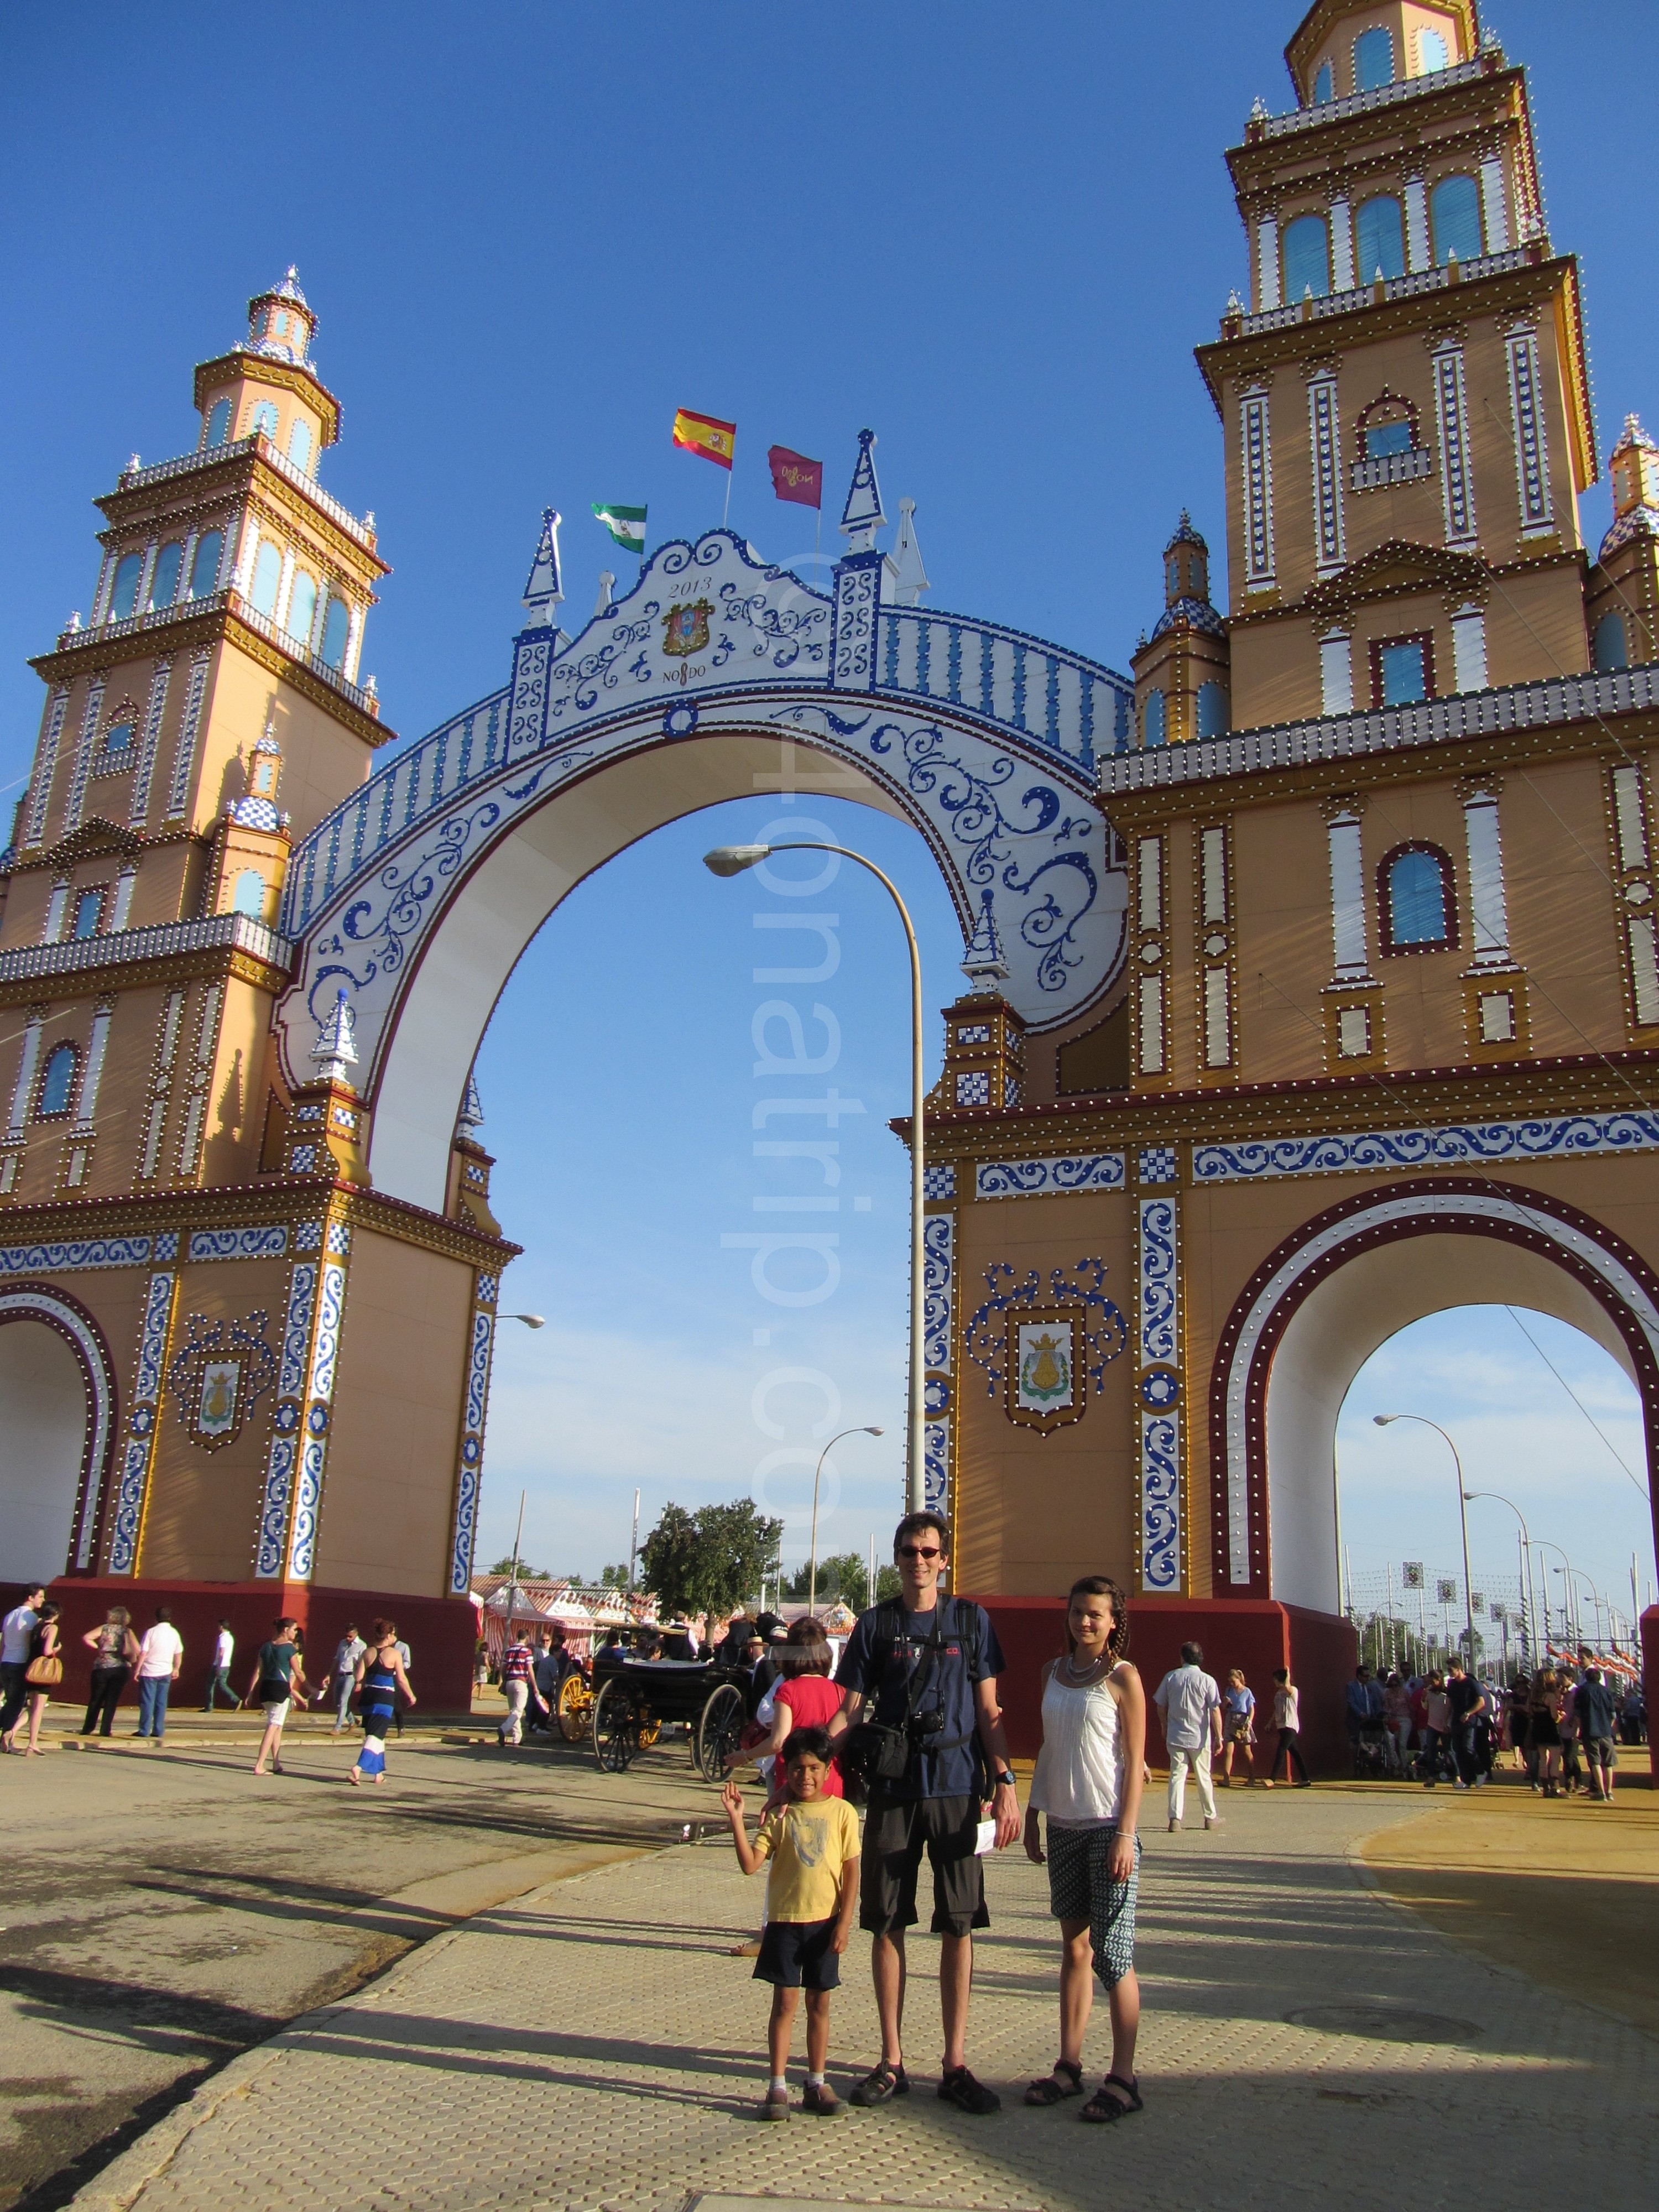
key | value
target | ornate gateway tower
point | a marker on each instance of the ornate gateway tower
(1313, 974)
(180, 1225)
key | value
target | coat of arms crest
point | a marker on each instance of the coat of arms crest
(1045, 1383)
(217, 1375)
(685, 628)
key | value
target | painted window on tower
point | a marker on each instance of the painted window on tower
(1387, 426)
(218, 422)
(1455, 217)
(337, 628)
(1418, 909)
(267, 577)
(88, 913)
(1214, 717)
(1153, 720)
(301, 607)
(164, 577)
(1432, 55)
(1607, 648)
(299, 444)
(1380, 228)
(1402, 670)
(265, 421)
(1307, 258)
(1324, 85)
(1373, 59)
(250, 895)
(204, 566)
(123, 592)
(57, 1084)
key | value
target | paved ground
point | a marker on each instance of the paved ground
(163, 1910)
(1307, 2039)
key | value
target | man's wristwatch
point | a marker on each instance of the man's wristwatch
(1005, 1776)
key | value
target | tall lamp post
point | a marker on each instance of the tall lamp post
(1569, 1603)
(1528, 1612)
(813, 1573)
(732, 860)
(1382, 1421)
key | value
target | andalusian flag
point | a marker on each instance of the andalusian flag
(702, 434)
(626, 525)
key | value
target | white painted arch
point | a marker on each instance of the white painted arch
(1339, 1290)
(57, 1419)
(506, 900)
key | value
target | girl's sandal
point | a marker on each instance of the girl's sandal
(1103, 2105)
(1065, 2081)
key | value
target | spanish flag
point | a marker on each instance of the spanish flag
(701, 434)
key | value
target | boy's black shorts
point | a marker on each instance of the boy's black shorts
(795, 1954)
(894, 1830)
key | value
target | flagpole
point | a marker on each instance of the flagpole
(727, 509)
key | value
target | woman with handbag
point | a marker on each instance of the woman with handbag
(114, 1650)
(279, 1679)
(43, 1674)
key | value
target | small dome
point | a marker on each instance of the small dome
(1633, 468)
(280, 323)
(1186, 535)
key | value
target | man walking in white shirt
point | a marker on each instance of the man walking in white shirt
(224, 1651)
(159, 1656)
(1189, 1705)
(342, 1674)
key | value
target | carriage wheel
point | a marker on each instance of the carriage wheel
(615, 1727)
(575, 1708)
(717, 1732)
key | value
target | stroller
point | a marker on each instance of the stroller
(1371, 1762)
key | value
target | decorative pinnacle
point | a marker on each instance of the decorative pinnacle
(982, 964)
(862, 515)
(904, 563)
(335, 1048)
(543, 590)
(471, 1114)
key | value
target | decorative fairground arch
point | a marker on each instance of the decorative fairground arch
(715, 678)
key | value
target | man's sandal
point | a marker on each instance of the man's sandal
(1103, 2105)
(1065, 2081)
(879, 2085)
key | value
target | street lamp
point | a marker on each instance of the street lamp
(1383, 1420)
(1530, 1611)
(812, 1574)
(1568, 1607)
(732, 860)
(530, 1321)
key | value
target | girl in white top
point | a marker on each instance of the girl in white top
(1087, 1785)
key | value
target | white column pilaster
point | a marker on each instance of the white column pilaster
(1267, 261)
(26, 1067)
(1418, 255)
(1487, 902)
(1336, 672)
(1495, 203)
(1468, 630)
(1347, 899)
(56, 902)
(1342, 245)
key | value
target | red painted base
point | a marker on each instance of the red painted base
(1258, 1634)
(439, 1632)
(1651, 1682)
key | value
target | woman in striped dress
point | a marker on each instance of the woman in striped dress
(380, 1680)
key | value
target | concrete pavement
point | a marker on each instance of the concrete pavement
(1307, 2039)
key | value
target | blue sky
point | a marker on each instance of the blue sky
(530, 234)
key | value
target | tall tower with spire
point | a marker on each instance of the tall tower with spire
(1404, 397)
(207, 709)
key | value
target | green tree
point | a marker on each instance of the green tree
(845, 1576)
(614, 1578)
(526, 1572)
(710, 1560)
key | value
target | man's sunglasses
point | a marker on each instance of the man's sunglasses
(920, 1552)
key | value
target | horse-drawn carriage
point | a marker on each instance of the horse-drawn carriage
(629, 1702)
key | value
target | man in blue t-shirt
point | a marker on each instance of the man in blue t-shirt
(927, 1665)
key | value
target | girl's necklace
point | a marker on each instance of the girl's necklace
(1097, 1671)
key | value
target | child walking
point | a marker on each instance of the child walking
(812, 1842)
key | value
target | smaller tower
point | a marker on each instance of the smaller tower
(1182, 672)
(1621, 597)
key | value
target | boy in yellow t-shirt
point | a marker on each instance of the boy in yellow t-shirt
(812, 1842)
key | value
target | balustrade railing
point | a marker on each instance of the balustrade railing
(245, 932)
(1076, 707)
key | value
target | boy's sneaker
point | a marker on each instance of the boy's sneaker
(959, 2088)
(818, 2097)
(775, 2105)
(881, 2086)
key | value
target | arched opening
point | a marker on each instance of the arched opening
(43, 1415)
(508, 897)
(1341, 1287)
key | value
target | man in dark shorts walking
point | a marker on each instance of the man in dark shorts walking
(925, 1668)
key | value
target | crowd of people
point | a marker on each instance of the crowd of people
(368, 1680)
(1561, 1725)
